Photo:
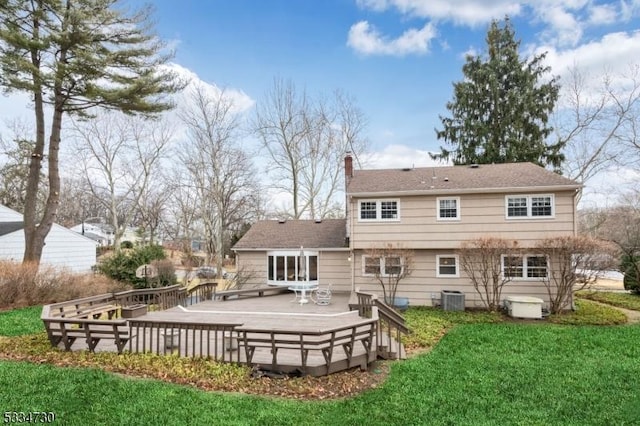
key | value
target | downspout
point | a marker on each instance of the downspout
(351, 252)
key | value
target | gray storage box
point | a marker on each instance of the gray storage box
(452, 300)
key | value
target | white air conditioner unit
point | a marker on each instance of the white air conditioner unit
(524, 307)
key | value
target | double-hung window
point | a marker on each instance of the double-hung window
(382, 266)
(447, 266)
(529, 206)
(448, 208)
(378, 210)
(525, 267)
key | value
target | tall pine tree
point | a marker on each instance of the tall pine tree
(500, 110)
(71, 56)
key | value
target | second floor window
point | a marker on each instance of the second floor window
(379, 210)
(448, 208)
(529, 206)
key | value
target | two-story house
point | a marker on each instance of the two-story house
(430, 211)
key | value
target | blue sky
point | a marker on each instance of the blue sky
(398, 58)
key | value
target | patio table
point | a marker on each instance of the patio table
(301, 291)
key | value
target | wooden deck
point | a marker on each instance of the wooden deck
(236, 330)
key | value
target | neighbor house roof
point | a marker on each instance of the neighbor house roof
(485, 177)
(290, 234)
(10, 227)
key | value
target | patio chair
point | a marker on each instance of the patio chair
(323, 296)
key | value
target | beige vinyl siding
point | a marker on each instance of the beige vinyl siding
(423, 283)
(333, 268)
(480, 215)
(254, 265)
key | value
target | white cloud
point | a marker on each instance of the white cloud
(629, 9)
(564, 28)
(240, 100)
(464, 12)
(613, 54)
(398, 156)
(603, 14)
(367, 40)
(564, 22)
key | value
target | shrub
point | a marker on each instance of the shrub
(27, 285)
(630, 266)
(126, 245)
(575, 262)
(166, 272)
(122, 266)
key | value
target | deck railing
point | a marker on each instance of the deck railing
(202, 291)
(162, 297)
(325, 341)
(225, 342)
(392, 324)
(186, 339)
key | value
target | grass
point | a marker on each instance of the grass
(506, 373)
(19, 322)
(623, 300)
(482, 369)
(589, 313)
(428, 324)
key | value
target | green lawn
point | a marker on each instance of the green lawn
(529, 374)
(623, 300)
(21, 321)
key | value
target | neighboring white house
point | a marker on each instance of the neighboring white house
(103, 233)
(63, 247)
(99, 232)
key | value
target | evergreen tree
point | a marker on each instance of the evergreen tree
(500, 110)
(73, 55)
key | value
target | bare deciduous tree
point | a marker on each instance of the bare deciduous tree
(389, 264)
(219, 172)
(151, 210)
(77, 203)
(593, 125)
(482, 260)
(575, 262)
(16, 149)
(621, 226)
(120, 160)
(306, 141)
(182, 211)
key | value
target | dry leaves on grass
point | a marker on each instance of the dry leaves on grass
(200, 373)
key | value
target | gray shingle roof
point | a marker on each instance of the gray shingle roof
(456, 178)
(271, 234)
(9, 227)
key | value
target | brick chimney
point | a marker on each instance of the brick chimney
(348, 167)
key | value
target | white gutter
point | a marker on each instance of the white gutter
(291, 248)
(518, 189)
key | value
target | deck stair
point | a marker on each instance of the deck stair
(391, 325)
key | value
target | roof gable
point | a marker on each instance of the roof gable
(291, 234)
(10, 227)
(508, 176)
